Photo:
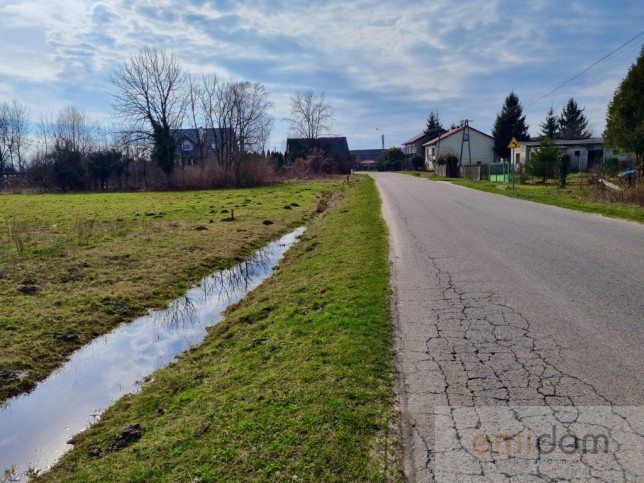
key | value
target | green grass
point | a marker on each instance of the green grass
(96, 260)
(571, 197)
(295, 384)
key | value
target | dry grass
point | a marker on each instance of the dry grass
(84, 263)
(631, 194)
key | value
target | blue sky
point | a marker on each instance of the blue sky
(382, 64)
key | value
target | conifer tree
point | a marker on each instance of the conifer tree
(550, 127)
(510, 122)
(572, 122)
(434, 126)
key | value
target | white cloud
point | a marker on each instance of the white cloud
(380, 62)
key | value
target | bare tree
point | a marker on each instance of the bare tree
(74, 130)
(150, 90)
(252, 121)
(196, 119)
(5, 139)
(14, 135)
(311, 115)
(237, 113)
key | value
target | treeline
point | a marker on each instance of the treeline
(172, 130)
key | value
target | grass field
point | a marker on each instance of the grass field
(74, 266)
(295, 384)
(572, 197)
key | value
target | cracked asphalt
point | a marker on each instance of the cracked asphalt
(518, 332)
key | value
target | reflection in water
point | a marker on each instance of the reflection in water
(221, 288)
(35, 427)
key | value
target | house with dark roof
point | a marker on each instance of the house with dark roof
(414, 145)
(335, 149)
(469, 146)
(195, 143)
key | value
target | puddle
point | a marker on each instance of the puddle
(35, 427)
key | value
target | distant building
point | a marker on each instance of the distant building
(367, 154)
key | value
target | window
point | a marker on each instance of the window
(187, 146)
(518, 158)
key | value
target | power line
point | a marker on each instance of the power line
(578, 75)
(607, 59)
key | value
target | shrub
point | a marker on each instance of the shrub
(563, 166)
(418, 161)
(612, 167)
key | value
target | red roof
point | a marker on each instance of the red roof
(415, 139)
(453, 131)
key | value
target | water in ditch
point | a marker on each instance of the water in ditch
(35, 427)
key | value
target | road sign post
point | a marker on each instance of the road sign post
(513, 144)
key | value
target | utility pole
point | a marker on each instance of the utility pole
(465, 138)
(382, 137)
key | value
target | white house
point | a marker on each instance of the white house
(477, 148)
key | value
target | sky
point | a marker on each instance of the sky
(381, 64)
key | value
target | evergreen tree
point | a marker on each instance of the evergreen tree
(550, 127)
(572, 122)
(545, 159)
(434, 126)
(509, 123)
(625, 116)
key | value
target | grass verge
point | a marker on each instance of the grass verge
(295, 384)
(572, 197)
(72, 267)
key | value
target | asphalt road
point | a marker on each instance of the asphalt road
(518, 336)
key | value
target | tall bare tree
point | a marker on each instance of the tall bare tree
(311, 115)
(252, 122)
(5, 139)
(14, 135)
(238, 115)
(149, 88)
(195, 118)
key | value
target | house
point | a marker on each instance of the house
(414, 145)
(211, 141)
(470, 146)
(336, 149)
(584, 153)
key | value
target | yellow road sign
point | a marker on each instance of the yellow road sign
(514, 143)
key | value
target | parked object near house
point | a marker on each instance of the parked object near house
(629, 176)
(584, 153)
(471, 146)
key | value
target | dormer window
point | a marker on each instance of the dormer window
(187, 146)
